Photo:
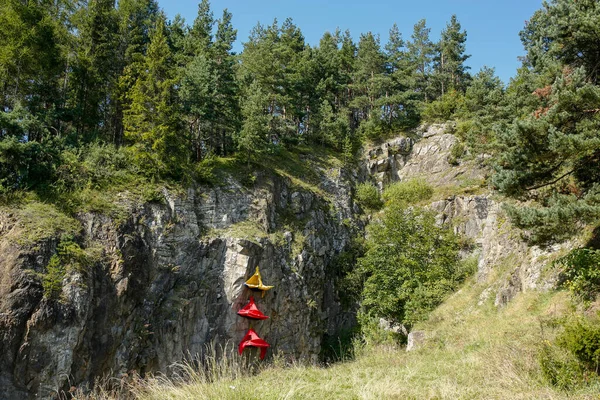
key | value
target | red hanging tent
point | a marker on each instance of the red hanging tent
(251, 311)
(252, 340)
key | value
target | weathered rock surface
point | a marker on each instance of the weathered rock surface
(170, 281)
(170, 276)
(504, 259)
(415, 340)
(424, 157)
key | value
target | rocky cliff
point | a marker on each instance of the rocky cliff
(167, 279)
(506, 264)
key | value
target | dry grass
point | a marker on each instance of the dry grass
(472, 352)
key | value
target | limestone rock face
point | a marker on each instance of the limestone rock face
(170, 280)
(415, 340)
(504, 260)
(425, 156)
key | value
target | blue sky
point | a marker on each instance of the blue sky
(492, 26)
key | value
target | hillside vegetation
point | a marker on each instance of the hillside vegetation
(474, 351)
(103, 104)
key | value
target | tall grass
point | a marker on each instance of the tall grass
(473, 351)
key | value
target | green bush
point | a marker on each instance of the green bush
(581, 272)
(408, 192)
(409, 267)
(69, 256)
(443, 109)
(457, 151)
(574, 358)
(560, 367)
(368, 196)
(373, 333)
(581, 337)
(26, 165)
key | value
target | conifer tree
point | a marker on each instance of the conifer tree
(450, 70)
(421, 52)
(94, 74)
(347, 58)
(399, 103)
(367, 77)
(197, 91)
(136, 19)
(227, 117)
(254, 137)
(33, 62)
(152, 120)
(551, 155)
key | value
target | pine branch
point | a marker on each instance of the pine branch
(550, 183)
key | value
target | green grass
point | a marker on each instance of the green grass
(304, 166)
(38, 221)
(472, 352)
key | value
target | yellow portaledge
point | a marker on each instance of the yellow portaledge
(255, 283)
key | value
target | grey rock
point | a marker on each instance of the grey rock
(163, 289)
(416, 339)
(392, 327)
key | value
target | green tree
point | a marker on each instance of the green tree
(564, 32)
(450, 70)
(275, 58)
(550, 155)
(209, 90)
(410, 265)
(483, 111)
(399, 105)
(136, 19)
(94, 75)
(33, 63)
(421, 52)
(152, 120)
(254, 137)
(227, 117)
(368, 77)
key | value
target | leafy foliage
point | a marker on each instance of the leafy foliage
(547, 154)
(581, 274)
(151, 121)
(574, 358)
(69, 256)
(560, 367)
(408, 192)
(367, 195)
(409, 266)
(75, 73)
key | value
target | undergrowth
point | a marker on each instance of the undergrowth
(472, 351)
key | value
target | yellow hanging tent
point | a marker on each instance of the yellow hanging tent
(255, 283)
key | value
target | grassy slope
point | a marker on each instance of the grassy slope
(474, 351)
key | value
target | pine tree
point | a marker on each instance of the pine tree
(347, 58)
(136, 19)
(33, 62)
(198, 86)
(450, 71)
(227, 117)
(399, 103)
(276, 58)
(369, 68)
(567, 32)
(421, 52)
(483, 110)
(94, 74)
(152, 121)
(254, 137)
(550, 154)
